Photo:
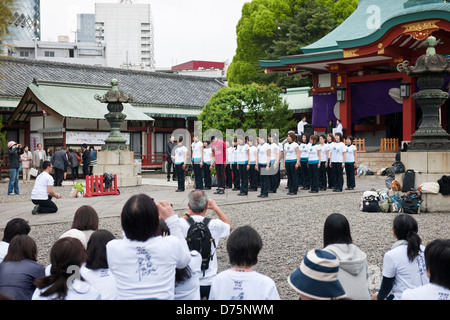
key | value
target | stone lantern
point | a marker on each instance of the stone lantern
(430, 70)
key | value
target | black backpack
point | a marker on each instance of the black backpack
(199, 238)
(444, 185)
(408, 180)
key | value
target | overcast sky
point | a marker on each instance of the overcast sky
(184, 29)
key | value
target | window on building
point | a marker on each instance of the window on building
(24, 54)
(49, 53)
(71, 53)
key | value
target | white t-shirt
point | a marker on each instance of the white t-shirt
(407, 274)
(304, 151)
(253, 151)
(196, 151)
(350, 155)
(80, 290)
(40, 189)
(290, 151)
(242, 153)
(274, 150)
(230, 155)
(429, 291)
(337, 150)
(323, 152)
(146, 269)
(207, 154)
(313, 155)
(102, 280)
(301, 126)
(180, 151)
(189, 289)
(234, 155)
(219, 230)
(262, 152)
(241, 285)
(339, 129)
(3, 249)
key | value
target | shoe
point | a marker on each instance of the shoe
(207, 188)
(336, 190)
(219, 192)
(179, 190)
(313, 191)
(291, 194)
(11, 193)
(235, 189)
(242, 194)
(168, 179)
(262, 196)
(35, 209)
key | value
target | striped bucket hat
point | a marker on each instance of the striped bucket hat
(317, 276)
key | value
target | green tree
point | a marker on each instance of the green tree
(269, 29)
(247, 107)
(5, 19)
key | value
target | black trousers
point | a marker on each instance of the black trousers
(229, 176)
(243, 177)
(338, 176)
(350, 173)
(220, 172)
(264, 179)
(330, 175)
(292, 176)
(207, 175)
(170, 167)
(59, 176)
(46, 206)
(306, 180)
(273, 180)
(253, 177)
(314, 176)
(180, 175)
(74, 172)
(198, 176)
(323, 176)
(236, 181)
(85, 170)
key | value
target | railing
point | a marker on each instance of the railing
(151, 160)
(389, 145)
(95, 186)
(360, 144)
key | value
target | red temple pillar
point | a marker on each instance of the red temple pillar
(345, 107)
(409, 111)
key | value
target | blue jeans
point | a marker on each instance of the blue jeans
(13, 180)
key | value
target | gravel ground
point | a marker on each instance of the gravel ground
(288, 227)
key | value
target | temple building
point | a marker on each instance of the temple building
(354, 68)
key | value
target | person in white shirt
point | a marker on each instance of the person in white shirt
(301, 126)
(330, 178)
(437, 259)
(198, 204)
(314, 163)
(14, 227)
(253, 174)
(96, 271)
(337, 157)
(350, 162)
(144, 263)
(323, 163)
(338, 127)
(197, 148)
(206, 160)
(42, 192)
(243, 155)
(263, 163)
(274, 162)
(39, 156)
(180, 159)
(292, 162)
(229, 166)
(404, 265)
(305, 180)
(64, 282)
(235, 166)
(241, 282)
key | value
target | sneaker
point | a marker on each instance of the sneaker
(220, 191)
(35, 209)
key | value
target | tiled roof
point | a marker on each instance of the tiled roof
(148, 88)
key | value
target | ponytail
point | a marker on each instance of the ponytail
(406, 228)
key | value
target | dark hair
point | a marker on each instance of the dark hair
(66, 252)
(338, 135)
(324, 137)
(96, 249)
(21, 247)
(406, 228)
(243, 246)
(14, 227)
(180, 274)
(140, 218)
(85, 218)
(292, 135)
(180, 139)
(437, 259)
(304, 135)
(336, 230)
(350, 138)
(314, 138)
(46, 164)
(331, 136)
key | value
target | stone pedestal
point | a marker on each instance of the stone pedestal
(431, 166)
(120, 163)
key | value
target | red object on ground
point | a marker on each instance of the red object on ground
(95, 186)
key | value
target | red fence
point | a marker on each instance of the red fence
(151, 161)
(95, 186)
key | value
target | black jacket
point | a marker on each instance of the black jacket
(14, 157)
(85, 158)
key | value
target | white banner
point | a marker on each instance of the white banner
(91, 138)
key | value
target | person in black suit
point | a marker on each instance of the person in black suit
(86, 160)
(60, 161)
